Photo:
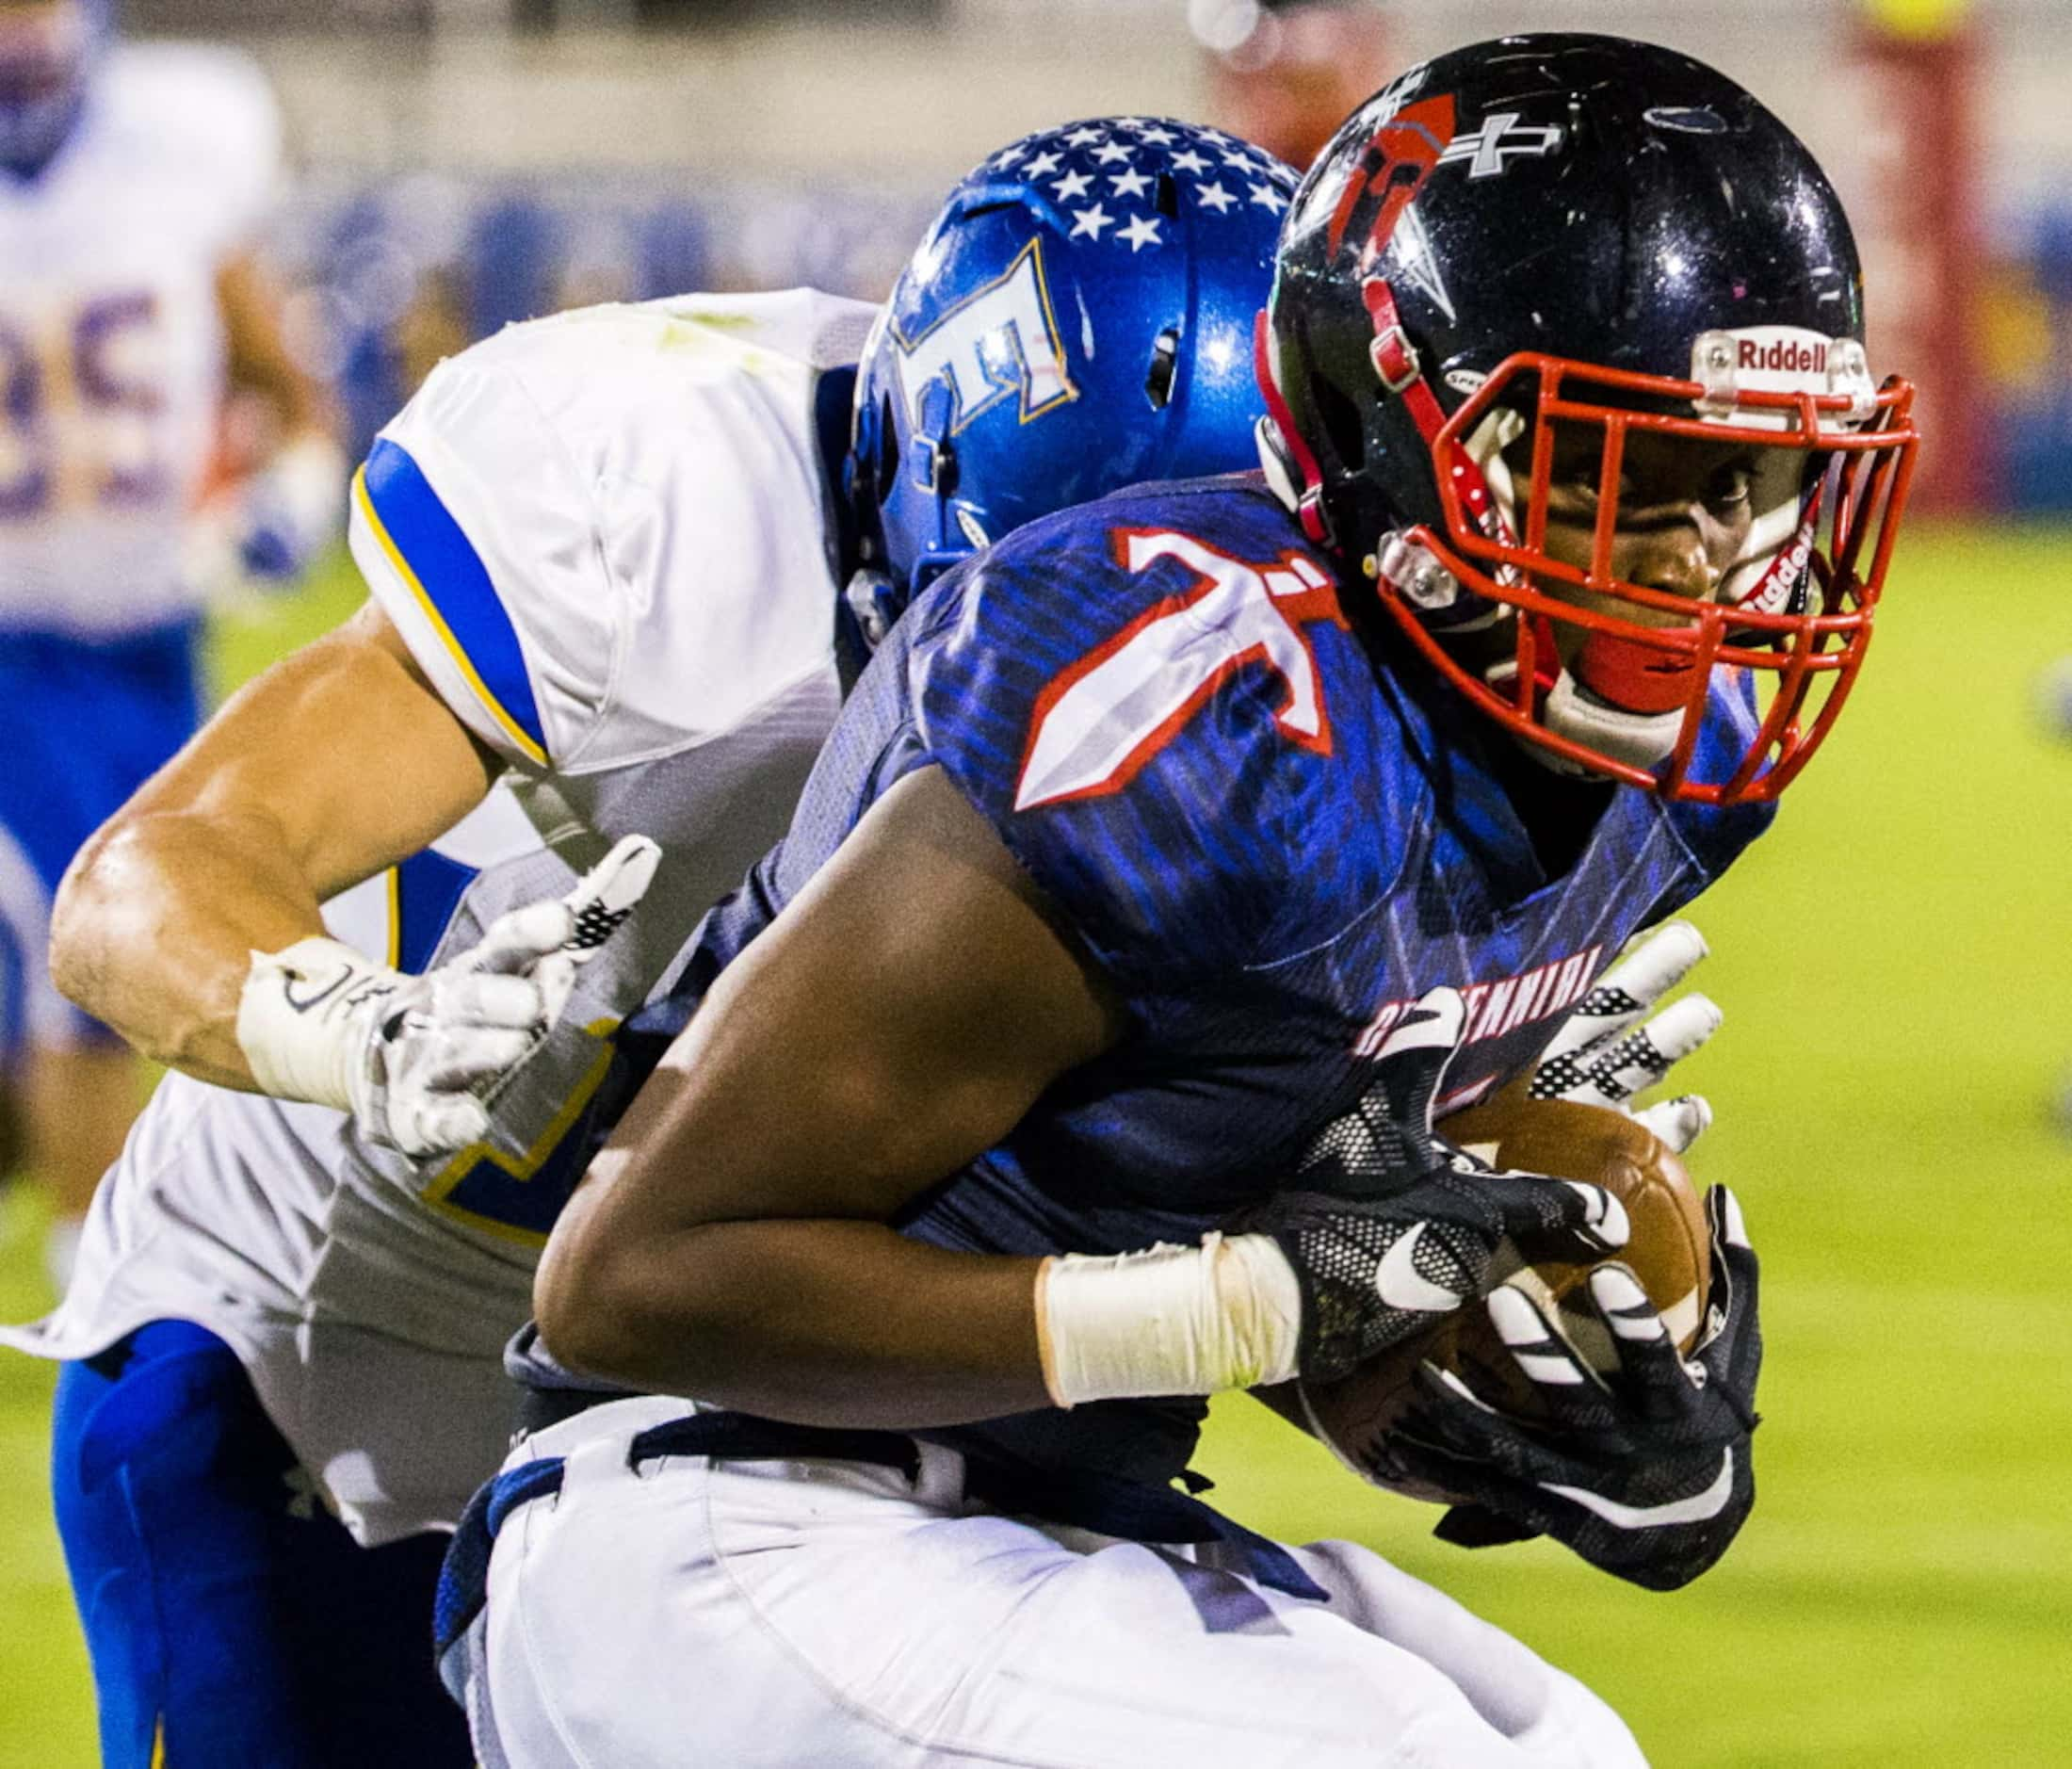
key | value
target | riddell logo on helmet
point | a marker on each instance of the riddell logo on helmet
(1781, 356)
(1778, 359)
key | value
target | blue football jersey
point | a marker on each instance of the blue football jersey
(1271, 836)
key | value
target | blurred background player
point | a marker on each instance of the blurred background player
(607, 555)
(132, 184)
(1286, 73)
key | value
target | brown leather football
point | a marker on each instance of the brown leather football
(1669, 1251)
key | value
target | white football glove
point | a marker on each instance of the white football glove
(414, 1058)
(261, 534)
(1610, 1049)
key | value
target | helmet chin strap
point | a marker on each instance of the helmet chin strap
(1641, 740)
(1443, 602)
(1569, 709)
(1282, 450)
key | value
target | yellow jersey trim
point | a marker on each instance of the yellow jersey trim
(526, 745)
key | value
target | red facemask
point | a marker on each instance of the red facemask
(1795, 612)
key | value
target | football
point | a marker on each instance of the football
(1669, 1252)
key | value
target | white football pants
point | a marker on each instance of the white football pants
(835, 1615)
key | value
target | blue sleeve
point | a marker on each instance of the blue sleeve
(1129, 748)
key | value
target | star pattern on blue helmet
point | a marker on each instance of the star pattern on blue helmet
(1103, 177)
(1091, 221)
(1036, 350)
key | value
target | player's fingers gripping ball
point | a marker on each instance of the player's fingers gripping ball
(1382, 1228)
(1618, 1041)
(1666, 1251)
(1390, 1225)
(1644, 1471)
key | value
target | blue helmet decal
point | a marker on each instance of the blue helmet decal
(1078, 318)
(1000, 339)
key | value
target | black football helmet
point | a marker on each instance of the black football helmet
(1549, 236)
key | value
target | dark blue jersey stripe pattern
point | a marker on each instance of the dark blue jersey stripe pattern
(1287, 834)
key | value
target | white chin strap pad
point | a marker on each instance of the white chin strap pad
(1273, 462)
(1639, 738)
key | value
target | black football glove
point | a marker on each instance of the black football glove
(1646, 1475)
(1389, 1226)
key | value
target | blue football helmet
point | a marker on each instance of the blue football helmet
(1079, 318)
(48, 54)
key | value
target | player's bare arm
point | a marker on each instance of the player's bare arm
(230, 848)
(732, 1239)
(257, 355)
(270, 520)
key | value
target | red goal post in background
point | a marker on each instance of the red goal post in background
(1913, 196)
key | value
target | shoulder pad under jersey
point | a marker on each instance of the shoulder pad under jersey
(1132, 691)
(606, 535)
(200, 121)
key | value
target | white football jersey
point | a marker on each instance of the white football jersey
(607, 538)
(111, 332)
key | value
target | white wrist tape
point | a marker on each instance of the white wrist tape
(298, 1020)
(1226, 1314)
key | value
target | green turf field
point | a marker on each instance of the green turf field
(1898, 980)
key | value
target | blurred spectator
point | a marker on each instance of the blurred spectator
(1285, 74)
(131, 306)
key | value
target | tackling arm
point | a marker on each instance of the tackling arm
(338, 762)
